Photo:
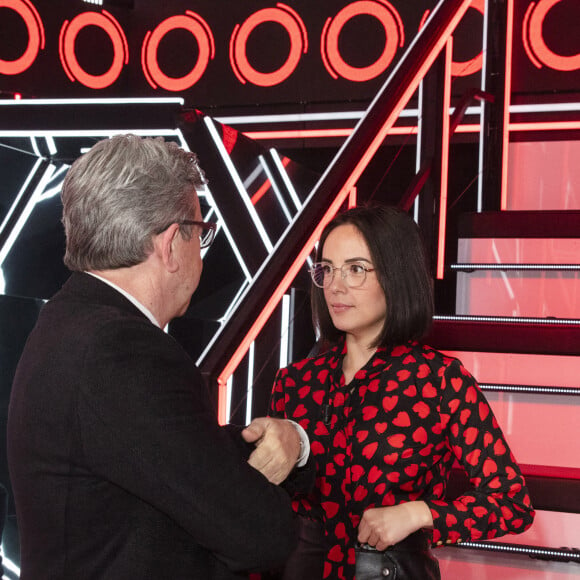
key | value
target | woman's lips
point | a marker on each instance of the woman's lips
(338, 308)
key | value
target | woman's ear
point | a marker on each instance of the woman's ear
(165, 247)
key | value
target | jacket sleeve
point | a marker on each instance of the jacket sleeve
(498, 502)
(148, 427)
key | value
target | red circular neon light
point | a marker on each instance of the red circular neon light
(66, 46)
(191, 22)
(35, 29)
(468, 67)
(386, 14)
(534, 42)
(294, 26)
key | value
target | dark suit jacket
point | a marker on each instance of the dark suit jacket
(119, 468)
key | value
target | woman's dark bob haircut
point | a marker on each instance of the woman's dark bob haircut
(398, 254)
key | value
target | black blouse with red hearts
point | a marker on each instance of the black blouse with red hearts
(392, 435)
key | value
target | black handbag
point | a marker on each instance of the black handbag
(410, 559)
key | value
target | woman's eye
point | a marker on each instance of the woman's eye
(326, 269)
(357, 269)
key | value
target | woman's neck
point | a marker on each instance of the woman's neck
(357, 356)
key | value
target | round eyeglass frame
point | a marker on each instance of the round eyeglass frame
(345, 274)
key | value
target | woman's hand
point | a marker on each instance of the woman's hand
(384, 526)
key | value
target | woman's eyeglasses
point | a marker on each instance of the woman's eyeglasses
(353, 273)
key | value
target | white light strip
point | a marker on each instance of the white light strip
(22, 219)
(238, 183)
(527, 550)
(482, 140)
(472, 267)
(287, 182)
(229, 236)
(257, 171)
(531, 389)
(35, 147)
(250, 388)
(53, 191)
(284, 331)
(301, 117)
(510, 319)
(275, 187)
(9, 565)
(20, 194)
(51, 145)
(232, 306)
(89, 132)
(110, 101)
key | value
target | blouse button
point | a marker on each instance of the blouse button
(386, 572)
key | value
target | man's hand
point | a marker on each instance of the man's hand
(385, 526)
(277, 447)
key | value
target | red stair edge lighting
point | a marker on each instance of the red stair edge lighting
(350, 182)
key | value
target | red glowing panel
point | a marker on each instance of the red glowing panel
(507, 103)
(66, 45)
(386, 14)
(200, 30)
(534, 43)
(35, 30)
(294, 26)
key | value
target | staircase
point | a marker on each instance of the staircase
(517, 328)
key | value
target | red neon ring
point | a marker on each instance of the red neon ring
(291, 22)
(68, 35)
(191, 22)
(35, 37)
(538, 44)
(387, 16)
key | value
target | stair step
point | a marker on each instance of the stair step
(506, 334)
(520, 224)
(472, 267)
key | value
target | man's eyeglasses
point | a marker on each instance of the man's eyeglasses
(353, 273)
(206, 234)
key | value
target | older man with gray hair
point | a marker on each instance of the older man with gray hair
(119, 468)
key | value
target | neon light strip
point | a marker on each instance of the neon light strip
(227, 232)
(531, 389)
(352, 195)
(281, 165)
(356, 115)
(23, 218)
(226, 393)
(481, 128)
(111, 101)
(465, 128)
(238, 183)
(301, 117)
(548, 126)
(444, 160)
(250, 389)
(261, 192)
(545, 553)
(276, 189)
(222, 320)
(506, 104)
(280, 290)
(284, 330)
(89, 132)
(509, 319)
(482, 266)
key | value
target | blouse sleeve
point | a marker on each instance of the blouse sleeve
(301, 479)
(498, 502)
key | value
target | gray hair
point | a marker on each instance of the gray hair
(121, 193)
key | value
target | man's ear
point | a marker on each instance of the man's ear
(164, 244)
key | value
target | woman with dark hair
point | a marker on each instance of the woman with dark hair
(388, 416)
